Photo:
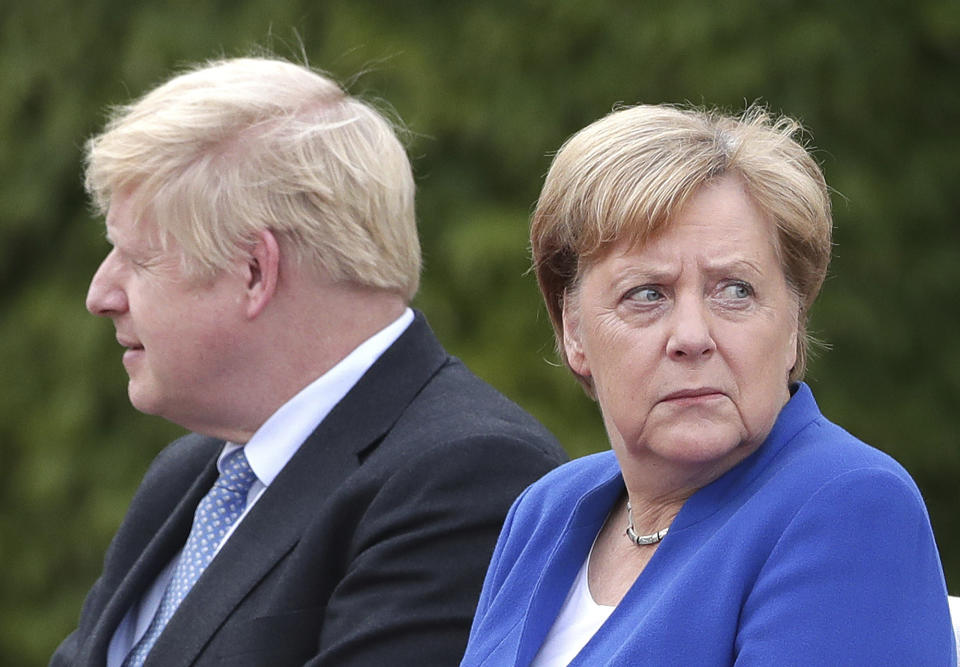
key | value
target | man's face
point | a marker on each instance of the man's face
(179, 332)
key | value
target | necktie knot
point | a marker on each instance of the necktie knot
(237, 476)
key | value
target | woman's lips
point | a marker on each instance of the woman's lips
(692, 396)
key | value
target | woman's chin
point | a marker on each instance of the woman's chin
(703, 444)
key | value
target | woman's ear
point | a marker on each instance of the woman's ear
(572, 342)
(261, 273)
(793, 348)
(793, 352)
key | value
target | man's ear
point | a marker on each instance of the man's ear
(262, 272)
(572, 344)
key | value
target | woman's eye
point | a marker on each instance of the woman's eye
(736, 291)
(645, 294)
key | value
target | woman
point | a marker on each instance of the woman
(679, 252)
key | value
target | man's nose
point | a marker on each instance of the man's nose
(106, 296)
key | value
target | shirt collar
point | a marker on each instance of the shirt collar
(279, 438)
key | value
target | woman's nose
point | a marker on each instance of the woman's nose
(690, 333)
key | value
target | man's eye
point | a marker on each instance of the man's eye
(137, 261)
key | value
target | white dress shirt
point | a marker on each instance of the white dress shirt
(268, 451)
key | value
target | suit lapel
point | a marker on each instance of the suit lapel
(160, 548)
(370, 410)
(274, 525)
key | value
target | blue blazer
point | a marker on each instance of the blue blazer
(815, 550)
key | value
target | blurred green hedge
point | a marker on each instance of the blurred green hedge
(489, 90)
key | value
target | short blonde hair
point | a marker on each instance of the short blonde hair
(233, 147)
(627, 175)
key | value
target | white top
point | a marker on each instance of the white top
(579, 619)
(268, 451)
(955, 617)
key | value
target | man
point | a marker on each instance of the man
(343, 488)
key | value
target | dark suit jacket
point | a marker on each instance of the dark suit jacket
(370, 546)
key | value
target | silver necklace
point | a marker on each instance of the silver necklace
(642, 540)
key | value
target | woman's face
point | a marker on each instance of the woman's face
(689, 338)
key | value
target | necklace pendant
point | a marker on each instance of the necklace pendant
(645, 540)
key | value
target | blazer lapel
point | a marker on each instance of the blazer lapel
(274, 526)
(557, 576)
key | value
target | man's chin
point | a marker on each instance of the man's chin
(143, 400)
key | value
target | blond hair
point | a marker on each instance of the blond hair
(627, 175)
(236, 146)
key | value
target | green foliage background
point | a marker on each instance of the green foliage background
(489, 90)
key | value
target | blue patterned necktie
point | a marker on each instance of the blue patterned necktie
(218, 510)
